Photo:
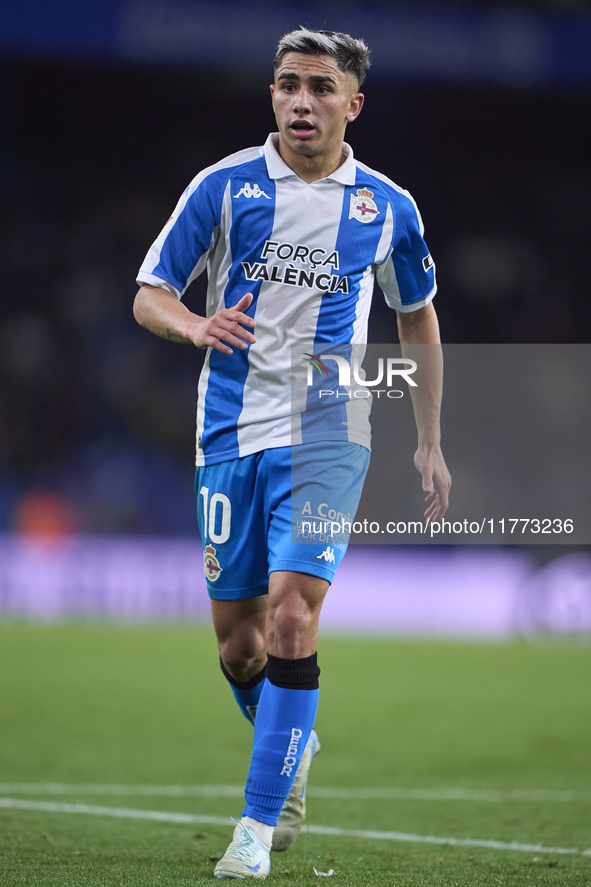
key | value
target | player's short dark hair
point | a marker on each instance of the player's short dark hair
(351, 54)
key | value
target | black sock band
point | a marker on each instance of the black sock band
(293, 674)
(244, 685)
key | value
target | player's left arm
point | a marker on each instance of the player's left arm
(417, 329)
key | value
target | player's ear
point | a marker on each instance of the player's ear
(355, 106)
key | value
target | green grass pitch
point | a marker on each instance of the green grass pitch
(99, 705)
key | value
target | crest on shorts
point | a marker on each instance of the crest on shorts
(211, 564)
(362, 206)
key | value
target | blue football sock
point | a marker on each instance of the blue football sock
(285, 718)
(246, 694)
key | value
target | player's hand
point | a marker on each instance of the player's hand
(226, 328)
(436, 481)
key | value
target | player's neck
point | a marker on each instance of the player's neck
(311, 169)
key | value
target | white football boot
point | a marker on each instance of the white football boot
(246, 857)
(292, 816)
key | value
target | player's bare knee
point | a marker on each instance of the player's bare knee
(243, 657)
(292, 627)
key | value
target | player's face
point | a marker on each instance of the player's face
(313, 101)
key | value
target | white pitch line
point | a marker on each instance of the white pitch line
(119, 812)
(162, 816)
(150, 791)
(449, 794)
(337, 794)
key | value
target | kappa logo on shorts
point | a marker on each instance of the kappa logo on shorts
(211, 564)
(255, 191)
(328, 555)
(362, 206)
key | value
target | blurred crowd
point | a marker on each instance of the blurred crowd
(98, 412)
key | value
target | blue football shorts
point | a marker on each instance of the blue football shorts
(285, 508)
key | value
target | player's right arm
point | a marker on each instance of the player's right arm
(162, 313)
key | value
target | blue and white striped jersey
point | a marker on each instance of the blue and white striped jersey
(309, 253)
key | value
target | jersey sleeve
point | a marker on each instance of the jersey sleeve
(180, 252)
(407, 275)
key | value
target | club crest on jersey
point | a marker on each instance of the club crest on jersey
(211, 564)
(362, 206)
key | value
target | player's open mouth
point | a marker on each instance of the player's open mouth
(302, 129)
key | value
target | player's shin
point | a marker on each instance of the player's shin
(285, 718)
(246, 693)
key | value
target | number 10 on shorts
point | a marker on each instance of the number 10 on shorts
(210, 513)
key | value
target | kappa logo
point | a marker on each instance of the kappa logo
(328, 555)
(362, 206)
(255, 191)
(211, 564)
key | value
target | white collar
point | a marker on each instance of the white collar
(278, 168)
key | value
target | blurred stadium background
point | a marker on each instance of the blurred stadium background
(477, 754)
(108, 109)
